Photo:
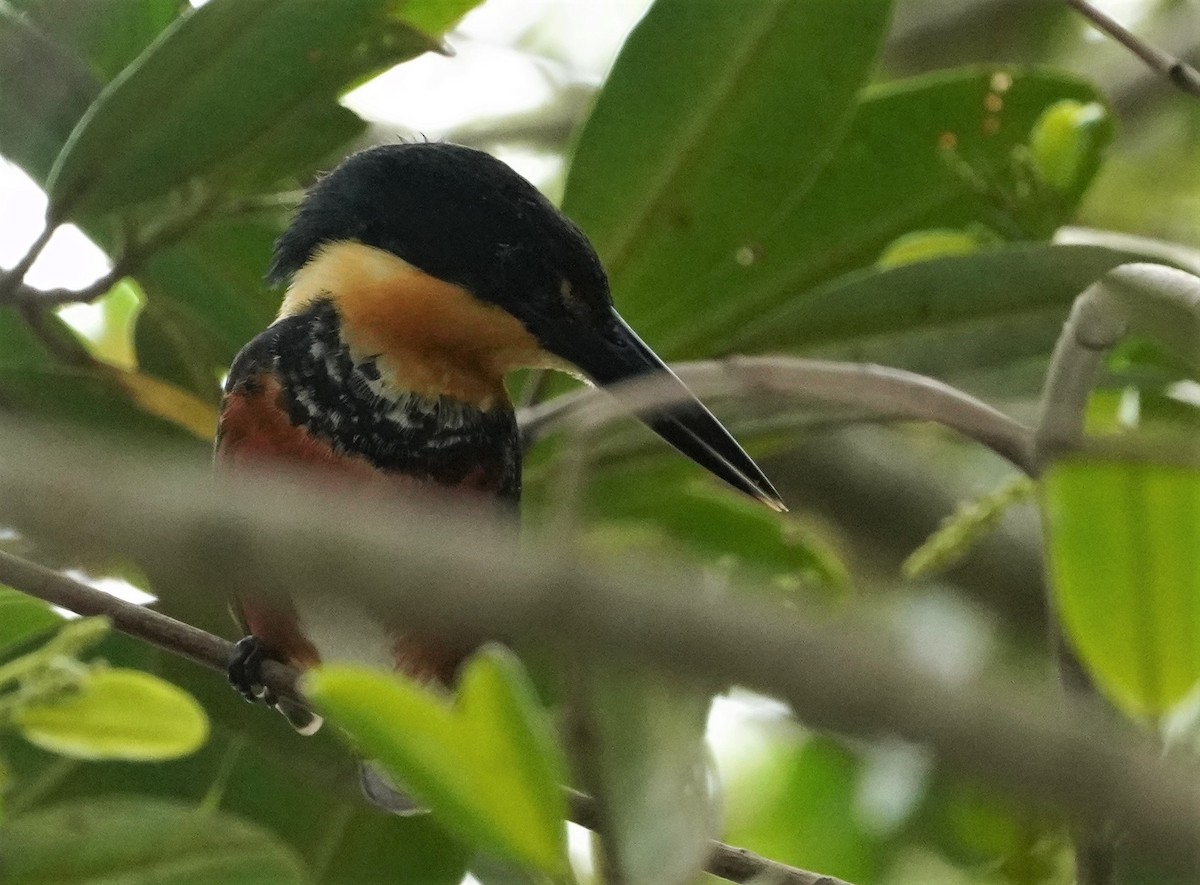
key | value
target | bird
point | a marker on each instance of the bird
(416, 276)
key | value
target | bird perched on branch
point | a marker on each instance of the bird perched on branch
(418, 276)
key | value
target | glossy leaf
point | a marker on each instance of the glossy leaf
(23, 618)
(938, 317)
(487, 766)
(1124, 543)
(181, 109)
(117, 714)
(138, 841)
(649, 770)
(702, 172)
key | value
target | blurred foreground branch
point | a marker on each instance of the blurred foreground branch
(726, 861)
(265, 535)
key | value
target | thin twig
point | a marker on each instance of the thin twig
(837, 674)
(145, 624)
(875, 392)
(11, 279)
(1179, 72)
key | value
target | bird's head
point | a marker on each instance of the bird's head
(450, 269)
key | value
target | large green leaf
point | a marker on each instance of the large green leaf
(713, 123)
(183, 108)
(921, 154)
(1124, 547)
(487, 767)
(938, 317)
(134, 841)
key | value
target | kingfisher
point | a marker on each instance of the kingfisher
(418, 275)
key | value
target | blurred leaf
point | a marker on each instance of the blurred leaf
(1124, 549)
(942, 316)
(97, 399)
(804, 812)
(305, 789)
(647, 766)
(670, 502)
(962, 529)
(168, 402)
(1066, 143)
(182, 108)
(137, 841)
(118, 714)
(487, 767)
(109, 340)
(978, 827)
(44, 90)
(925, 245)
(210, 286)
(675, 182)
(23, 618)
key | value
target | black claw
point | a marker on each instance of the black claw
(245, 668)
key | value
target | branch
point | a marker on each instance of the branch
(843, 676)
(1148, 298)
(155, 628)
(13, 278)
(1179, 72)
(879, 392)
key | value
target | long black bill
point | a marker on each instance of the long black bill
(620, 355)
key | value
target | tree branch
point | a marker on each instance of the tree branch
(1179, 72)
(252, 534)
(155, 628)
(881, 393)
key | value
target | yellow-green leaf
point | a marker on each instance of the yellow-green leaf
(486, 765)
(1124, 545)
(118, 714)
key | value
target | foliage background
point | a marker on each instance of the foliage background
(813, 177)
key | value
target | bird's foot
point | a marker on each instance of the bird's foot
(245, 675)
(245, 670)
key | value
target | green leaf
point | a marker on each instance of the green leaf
(182, 108)
(649, 501)
(1066, 143)
(136, 841)
(118, 714)
(487, 766)
(803, 806)
(675, 182)
(938, 317)
(23, 618)
(107, 401)
(44, 90)
(925, 245)
(918, 155)
(647, 766)
(107, 34)
(1124, 548)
